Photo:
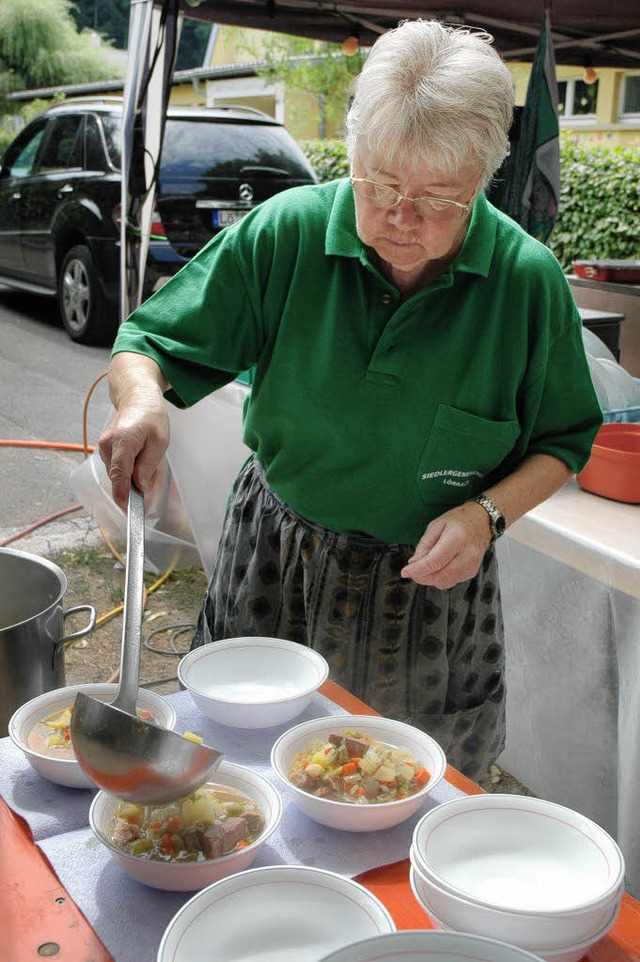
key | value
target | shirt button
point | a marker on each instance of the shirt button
(386, 298)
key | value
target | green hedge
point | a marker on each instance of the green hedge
(599, 213)
(327, 157)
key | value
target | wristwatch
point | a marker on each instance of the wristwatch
(497, 522)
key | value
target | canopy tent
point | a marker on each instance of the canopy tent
(598, 32)
(584, 32)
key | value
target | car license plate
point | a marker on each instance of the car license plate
(222, 218)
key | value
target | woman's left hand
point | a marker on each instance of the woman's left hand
(452, 548)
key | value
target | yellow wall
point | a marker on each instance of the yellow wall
(187, 95)
(239, 45)
(606, 129)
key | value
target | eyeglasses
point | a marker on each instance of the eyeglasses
(386, 198)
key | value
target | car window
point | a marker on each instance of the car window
(22, 163)
(224, 149)
(63, 147)
(112, 127)
(94, 157)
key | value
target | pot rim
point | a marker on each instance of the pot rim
(44, 563)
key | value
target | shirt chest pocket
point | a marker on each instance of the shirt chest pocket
(461, 450)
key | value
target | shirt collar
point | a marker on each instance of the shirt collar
(474, 257)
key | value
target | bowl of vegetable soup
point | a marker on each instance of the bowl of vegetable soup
(194, 841)
(40, 728)
(358, 773)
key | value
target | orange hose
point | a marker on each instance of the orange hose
(85, 410)
(38, 524)
(62, 445)
(58, 445)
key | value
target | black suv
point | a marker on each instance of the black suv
(60, 199)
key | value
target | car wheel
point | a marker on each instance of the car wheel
(85, 313)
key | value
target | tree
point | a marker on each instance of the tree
(110, 18)
(40, 47)
(318, 68)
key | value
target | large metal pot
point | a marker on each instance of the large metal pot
(32, 638)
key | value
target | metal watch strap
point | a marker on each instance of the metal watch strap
(497, 522)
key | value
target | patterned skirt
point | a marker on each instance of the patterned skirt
(431, 658)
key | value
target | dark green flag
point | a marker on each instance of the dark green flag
(532, 190)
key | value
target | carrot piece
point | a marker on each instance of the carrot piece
(166, 843)
(155, 827)
(358, 791)
(241, 844)
(174, 823)
(350, 768)
(423, 775)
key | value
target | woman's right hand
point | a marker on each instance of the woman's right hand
(134, 442)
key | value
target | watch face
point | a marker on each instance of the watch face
(500, 525)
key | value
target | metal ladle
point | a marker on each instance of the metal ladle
(121, 753)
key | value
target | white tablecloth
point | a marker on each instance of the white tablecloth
(570, 576)
(129, 917)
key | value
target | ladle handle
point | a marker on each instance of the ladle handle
(133, 594)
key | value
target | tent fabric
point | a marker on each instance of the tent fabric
(596, 33)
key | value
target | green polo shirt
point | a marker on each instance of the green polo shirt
(372, 414)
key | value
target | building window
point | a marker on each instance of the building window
(577, 99)
(630, 96)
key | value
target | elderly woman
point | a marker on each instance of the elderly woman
(420, 383)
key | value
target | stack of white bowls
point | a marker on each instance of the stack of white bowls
(518, 869)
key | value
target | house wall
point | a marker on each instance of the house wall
(300, 111)
(605, 127)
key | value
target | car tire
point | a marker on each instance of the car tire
(86, 315)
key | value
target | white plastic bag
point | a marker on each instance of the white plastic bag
(185, 509)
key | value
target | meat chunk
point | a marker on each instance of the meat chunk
(325, 791)
(222, 837)
(356, 747)
(254, 822)
(191, 838)
(303, 781)
(125, 832)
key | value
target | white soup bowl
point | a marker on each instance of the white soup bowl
(272, 914)
(428, 946)
(348, 816)
(252, 682)
(67, 771)
(189, 876)
(565, 953)
(519, 854)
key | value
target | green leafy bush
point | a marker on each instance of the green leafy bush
(327, 157)
(599, 211)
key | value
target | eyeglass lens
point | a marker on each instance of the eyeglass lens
(430, 208)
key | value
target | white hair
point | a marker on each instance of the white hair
(433, 95)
